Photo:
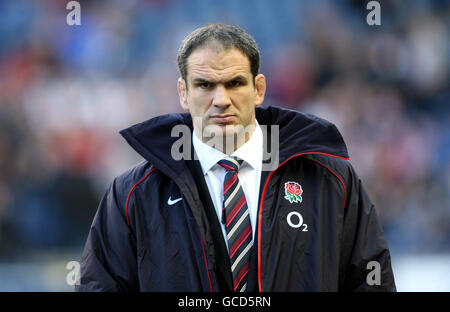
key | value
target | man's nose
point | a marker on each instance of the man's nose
(221, 96)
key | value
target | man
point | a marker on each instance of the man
(218, 220)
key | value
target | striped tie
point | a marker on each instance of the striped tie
(235, 216)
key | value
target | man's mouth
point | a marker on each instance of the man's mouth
(223, 118)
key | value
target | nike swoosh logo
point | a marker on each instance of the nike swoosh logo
(171, 202)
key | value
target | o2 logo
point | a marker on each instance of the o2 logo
(295, 220)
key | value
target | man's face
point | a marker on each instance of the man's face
(220, 90)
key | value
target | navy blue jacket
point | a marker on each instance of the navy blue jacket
(138, 242)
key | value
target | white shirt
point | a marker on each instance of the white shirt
(249, 173)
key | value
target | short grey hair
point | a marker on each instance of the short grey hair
(227, 36)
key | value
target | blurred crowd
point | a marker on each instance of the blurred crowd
(66, 91)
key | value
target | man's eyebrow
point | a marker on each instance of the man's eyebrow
(239, 77)
(200, 80)
(203, 80)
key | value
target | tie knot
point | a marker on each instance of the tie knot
(231, 163)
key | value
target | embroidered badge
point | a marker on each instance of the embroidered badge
(293, 192)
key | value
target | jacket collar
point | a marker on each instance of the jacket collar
(298, 133)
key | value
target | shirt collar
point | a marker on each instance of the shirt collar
(209, 156)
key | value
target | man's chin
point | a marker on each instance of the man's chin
(220, 129)
(226, 138)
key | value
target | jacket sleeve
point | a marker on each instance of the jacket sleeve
(365, 258)
(108, 262)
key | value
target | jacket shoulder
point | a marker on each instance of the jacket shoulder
(339, 165)
(124, 183)
(134, 174)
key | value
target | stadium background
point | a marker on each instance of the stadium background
(66, 91)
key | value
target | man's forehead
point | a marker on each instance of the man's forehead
(214, 61)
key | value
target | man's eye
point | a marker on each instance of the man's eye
(235, 83)
(205, 85)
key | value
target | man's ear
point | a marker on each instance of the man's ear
(260, 87)
(182, 93)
